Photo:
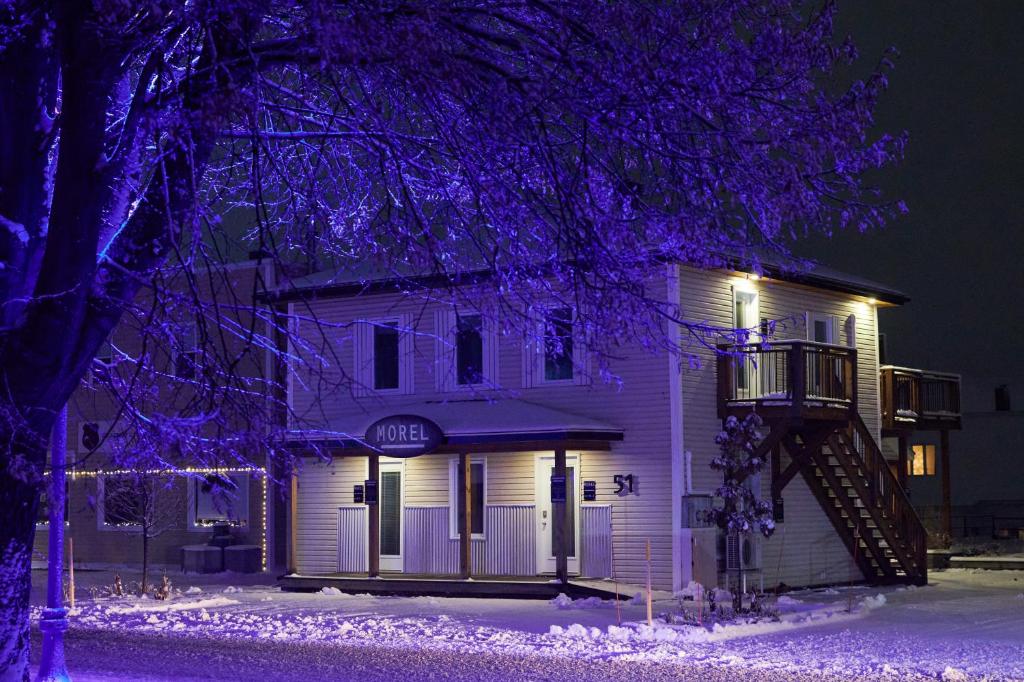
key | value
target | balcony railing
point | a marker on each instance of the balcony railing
(919, 399)
(787, 378)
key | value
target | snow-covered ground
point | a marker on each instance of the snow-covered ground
(967, 625)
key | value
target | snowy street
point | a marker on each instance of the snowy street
(967, 625)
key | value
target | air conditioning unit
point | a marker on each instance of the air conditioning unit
(742, 552)
(91, 436)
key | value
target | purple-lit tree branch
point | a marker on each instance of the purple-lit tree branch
(562, 150)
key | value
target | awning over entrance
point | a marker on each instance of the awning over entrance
(474, 422)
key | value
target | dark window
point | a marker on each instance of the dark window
(220, 498)
(186, 359)
(385, 356)
(124, 501)
(558, 345)
(469, 349)
(476, 501)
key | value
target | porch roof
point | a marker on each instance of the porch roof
(472, 421)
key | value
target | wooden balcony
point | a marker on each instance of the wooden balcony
(919, 400)
(793, 379)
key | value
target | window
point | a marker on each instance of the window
(478, 496)
(921, 461)
(694, 509)
(185, 358)
(123, 502)
(558, 345)
(382, 355)
(385, 356)
(219, 498)
(469, 350)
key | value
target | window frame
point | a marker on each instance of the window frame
(101, 507)
(364, 357)
(193, 498)
(922, 449)
(535, 352)
(379, 325)
(453, 498)
(447, 351)
(193, 350)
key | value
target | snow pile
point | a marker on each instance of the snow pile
(330, 590)
(951, 674)
(868, 603)
(168, 606)
(563, 601)
(231, 589)
(193, 590)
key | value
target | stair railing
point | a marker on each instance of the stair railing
(886, 492)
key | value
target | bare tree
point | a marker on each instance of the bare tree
(533, 150)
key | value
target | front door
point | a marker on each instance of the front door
(390, 502)
(545, 527)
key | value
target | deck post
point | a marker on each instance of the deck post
(901, 467)
(374, 511)
(560, 522)
(798, 377)
(947, 503)
(465, 517)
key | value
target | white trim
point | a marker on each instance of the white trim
(446, 351)
(193, 489)
(534, 352)
(542, 492)
(453, 500)
(363, 356)
(681, 573)
(392, 562)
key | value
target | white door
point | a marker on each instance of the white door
(545, 527)
(746, 317)
(390, 503)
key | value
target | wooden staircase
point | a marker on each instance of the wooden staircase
(845, 470)
(806, 393)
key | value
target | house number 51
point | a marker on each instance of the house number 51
(623, 484)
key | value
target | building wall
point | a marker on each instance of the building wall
(639, 406)
(805, 548)
(99, 546)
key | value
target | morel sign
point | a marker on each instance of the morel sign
(404, 435)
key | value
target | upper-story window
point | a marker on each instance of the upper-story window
(558, 345)
(556, 355)
(383, 355)
(467, 350)
(386, 359)
(185, 357)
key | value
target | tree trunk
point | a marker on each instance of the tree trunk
(20, 482)
(145, 562)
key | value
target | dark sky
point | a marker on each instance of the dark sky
(958, 89)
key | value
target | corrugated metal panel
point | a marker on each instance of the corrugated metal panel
(427, 546)
(510, 547)
(352, 543)
(596, 541)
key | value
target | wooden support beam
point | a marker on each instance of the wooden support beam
(560, 521)
(901, 474)
(947, 501)
(465, 499)
(374, 511)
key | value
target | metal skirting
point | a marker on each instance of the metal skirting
(352, 540)
(596, 541)
(507, 548)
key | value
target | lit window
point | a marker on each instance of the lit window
(477, 493)
(921, 461)
(469, 349)
(558, 345)
(385, 356)
(220, 498)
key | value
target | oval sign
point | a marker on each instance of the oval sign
(404, 435)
